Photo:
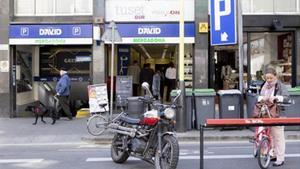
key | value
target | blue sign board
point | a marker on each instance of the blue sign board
(51, 34)
(155, 32)
(223, 22)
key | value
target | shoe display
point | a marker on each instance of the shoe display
(277, 164)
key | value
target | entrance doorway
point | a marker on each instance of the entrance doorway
(158, 56)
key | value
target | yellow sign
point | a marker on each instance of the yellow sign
(203, 27)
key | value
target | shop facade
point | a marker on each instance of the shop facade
(40, 40)
(150, 32)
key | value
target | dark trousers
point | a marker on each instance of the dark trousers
(171, 86)
(63, 104)
(135, 89)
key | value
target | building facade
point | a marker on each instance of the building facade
(38, 37)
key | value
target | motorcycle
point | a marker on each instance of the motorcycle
(151, 138)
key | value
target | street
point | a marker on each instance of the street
(229, 155)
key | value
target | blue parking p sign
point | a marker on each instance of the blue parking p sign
(223, 22)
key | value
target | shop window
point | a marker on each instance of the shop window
(271, 49)
(24, 71)
(73, 58)
(83, 6)
(44, 7)
(24, 7)
(246, 6)
(265, 6)
(53, 7)
(65, 6)
(285, 6)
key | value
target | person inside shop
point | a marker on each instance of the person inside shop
(156, 84)
(171, 79)
(62, 88)
(146, 75)
(275, 91)
(134, 71)
(162, 82)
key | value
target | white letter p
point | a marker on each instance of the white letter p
(219, 13)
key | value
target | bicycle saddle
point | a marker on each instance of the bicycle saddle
(130, 120)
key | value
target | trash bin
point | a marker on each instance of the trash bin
(204, 105)
(230, 104)
(292, 110)
(188, 106)
(135, 107)
(251, 99)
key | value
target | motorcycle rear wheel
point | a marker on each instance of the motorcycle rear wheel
(169, 154)
(117, 154)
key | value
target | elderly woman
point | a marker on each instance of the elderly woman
(272, 90)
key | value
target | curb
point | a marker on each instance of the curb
(108, 139)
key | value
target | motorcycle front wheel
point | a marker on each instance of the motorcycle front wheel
(118, 155)
(169, 156)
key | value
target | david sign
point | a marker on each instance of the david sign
(223, 22)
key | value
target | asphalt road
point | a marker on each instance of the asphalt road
(229, 155)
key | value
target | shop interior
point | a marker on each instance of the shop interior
(37, 69)
(157, 55)
(266, 49)
(271, 49)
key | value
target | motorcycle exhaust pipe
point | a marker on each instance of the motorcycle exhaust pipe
(119, 127)
(122, 130)
(131, 134)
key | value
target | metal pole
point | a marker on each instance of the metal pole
(181, 120)
(241, 50)
(201, 147)
(112, 70)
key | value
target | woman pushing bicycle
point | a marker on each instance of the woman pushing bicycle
(274, 91)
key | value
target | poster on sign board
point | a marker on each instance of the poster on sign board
(98, 96)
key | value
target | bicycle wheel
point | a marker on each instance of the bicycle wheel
(263, 153)
(96, 125)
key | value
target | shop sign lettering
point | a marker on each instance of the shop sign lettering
(50, 31)
(149, 31)
(149, 40)
(69, 60)
(136, 11)
(50, 41)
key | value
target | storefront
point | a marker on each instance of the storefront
(39, 51)
(266, 43)
(150, 34)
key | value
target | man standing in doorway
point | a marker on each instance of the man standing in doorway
(171, 79)
(62, 88)
(146, 75)
(134, 71)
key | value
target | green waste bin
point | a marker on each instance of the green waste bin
(188, 107)
(292, 110)
(204, 105)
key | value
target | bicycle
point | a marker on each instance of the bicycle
(262, 139)
(98, 123)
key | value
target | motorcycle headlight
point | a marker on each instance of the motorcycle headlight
(169, 113)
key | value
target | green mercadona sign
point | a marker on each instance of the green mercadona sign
(149, 40)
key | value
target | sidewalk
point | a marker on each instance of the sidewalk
(21, 131)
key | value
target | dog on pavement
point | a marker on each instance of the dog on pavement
(40, 110)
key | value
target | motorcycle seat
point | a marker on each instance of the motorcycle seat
(130, 120)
